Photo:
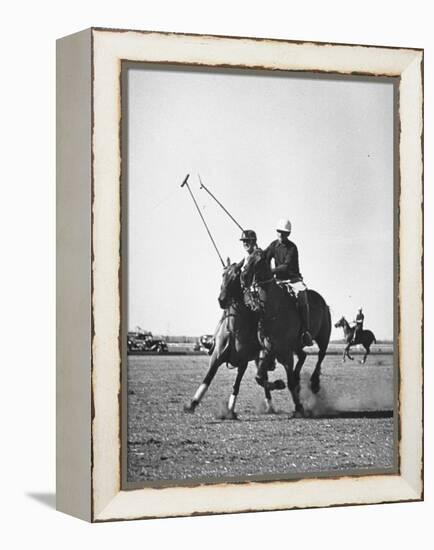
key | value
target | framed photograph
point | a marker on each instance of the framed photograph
(239, 274)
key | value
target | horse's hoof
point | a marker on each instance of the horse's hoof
(315, 387)
(190, 408)
(298, 414)
(227, 415)
(278, 384)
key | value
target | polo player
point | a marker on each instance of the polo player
(358, 327)
(249, 240)
(286, 268)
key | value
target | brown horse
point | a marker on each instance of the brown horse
(364, 337)
(281, 324)
(235, 342)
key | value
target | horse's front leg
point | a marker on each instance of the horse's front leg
(347, 352)
(231, 414)
(214, 364)
(265, 360)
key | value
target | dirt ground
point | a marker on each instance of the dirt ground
(164, 443)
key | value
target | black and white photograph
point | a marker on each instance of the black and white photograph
(258, 271)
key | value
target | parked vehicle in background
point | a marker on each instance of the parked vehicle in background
(145, 341)
(204, 342)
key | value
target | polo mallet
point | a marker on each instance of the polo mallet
(202, 186)
(185, 182)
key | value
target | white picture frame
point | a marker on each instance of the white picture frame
(89, 374)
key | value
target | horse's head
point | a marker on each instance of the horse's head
(256, 268)
(341, 323)
(230, 289)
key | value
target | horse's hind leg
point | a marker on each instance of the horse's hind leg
(301, 358)
(363, 361)
(301, 355)
(315, 378)
(322, 339)
(293, 385)
(235, 391)
(214, 364)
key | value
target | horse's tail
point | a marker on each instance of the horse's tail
(329, 318)
(328, 327)
(371, 335)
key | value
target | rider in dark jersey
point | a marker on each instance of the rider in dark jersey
(286, 268)
(358, 326)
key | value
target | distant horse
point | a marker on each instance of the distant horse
(236, 342)
(364, 337)
(281, 324)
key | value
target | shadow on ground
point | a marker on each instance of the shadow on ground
(47, 499)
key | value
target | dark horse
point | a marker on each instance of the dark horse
(364, 337)
(281, 325)
(236, 341)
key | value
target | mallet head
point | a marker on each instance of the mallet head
(185, 181)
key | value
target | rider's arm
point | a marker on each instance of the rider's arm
(269, 252)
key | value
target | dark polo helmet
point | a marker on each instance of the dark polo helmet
(248, 235)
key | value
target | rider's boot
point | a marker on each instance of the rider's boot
(354, 338)
(303, 306)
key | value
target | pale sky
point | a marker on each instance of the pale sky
(317, 151)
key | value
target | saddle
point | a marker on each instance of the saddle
(286, 285)
(252, 298)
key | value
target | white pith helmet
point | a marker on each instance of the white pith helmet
(284, 225)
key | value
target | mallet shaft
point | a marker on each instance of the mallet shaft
(219, 203)
(185, 182)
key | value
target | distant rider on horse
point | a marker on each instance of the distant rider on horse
(286, 268)
(358, 327)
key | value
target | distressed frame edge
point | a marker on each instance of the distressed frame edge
(415, 492)
(73, 275)
(407, 493)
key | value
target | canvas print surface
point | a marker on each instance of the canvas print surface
(258, 263)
